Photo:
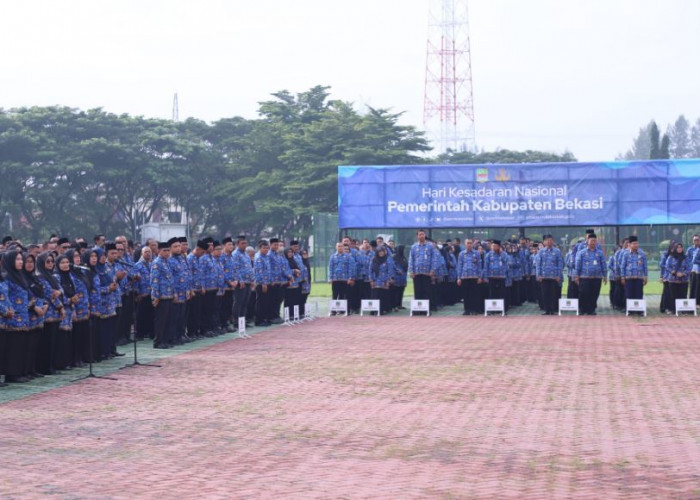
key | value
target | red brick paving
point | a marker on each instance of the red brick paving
(452, 407)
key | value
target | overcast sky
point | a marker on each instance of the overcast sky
(553, 75)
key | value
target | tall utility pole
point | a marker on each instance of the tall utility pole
(448, 106)
(176, 109)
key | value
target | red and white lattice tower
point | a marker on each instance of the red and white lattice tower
(448, 106)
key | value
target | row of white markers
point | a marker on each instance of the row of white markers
(340, 307)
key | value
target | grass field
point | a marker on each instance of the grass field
(654, 287)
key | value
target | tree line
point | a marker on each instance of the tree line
(73, 172)
(681, 140)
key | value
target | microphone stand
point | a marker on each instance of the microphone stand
(136, 359)
(92, 355)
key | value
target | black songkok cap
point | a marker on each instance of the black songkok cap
(590, 231)
(592, 235)
(82, 244)
(547, 236)
(182, 239)
(293, 242)
(228, 239)
(6, 239)
(373, 244)
(208, 240)
(163, 245)
(216, 243)
(110, 246)
(202, 244)
(496, 242)
(632, 239)
(173, 240)
(62, 241)
(272, 240)
(241, 237)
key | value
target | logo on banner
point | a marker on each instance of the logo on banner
(482, 175)
(502, 175)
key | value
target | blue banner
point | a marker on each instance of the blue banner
(520, 195)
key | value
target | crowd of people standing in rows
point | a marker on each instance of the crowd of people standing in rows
(516, 271)
(65, 303)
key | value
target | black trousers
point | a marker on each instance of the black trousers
(209, 311)
(678, 291)
(81, 341)
(194, 315)
(421, 286)
(397, 295)
(550, 292)
(126, 317)
(384, 298)
(613, 288)
(176, 330)
(634, 289)
(471, 295)
(46, 348)
(241, 296)
(3, 350)
(63, 356)
(620, 296)
(292, 297)
(15, 347)
(250, 308)
(144, 317)
(32, 341)
(108, 328)
(572, 292)
(665, 302)
(275, 300)
(95, 324)
(262, 304)
(161, 321)
(693, 284)
(589, 289)
(355, 295)
(340, 290)
(497, 288)
(226, 307)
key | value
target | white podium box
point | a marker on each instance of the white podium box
(369, 306)
(420, 306)
(494, 305)
(308, 314)
(686, 305)
(636, 305)
(338, 306)
(287, 317)
(568, 305)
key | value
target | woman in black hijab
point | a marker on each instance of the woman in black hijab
(36, 312)
(66, 349)
(292, 294)
(81, 307)
(398, 286)
(306, 284)
(665, 303)
(16, 324)
(381, 271)
(51, 342)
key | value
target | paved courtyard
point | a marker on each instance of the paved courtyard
(393, 407)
